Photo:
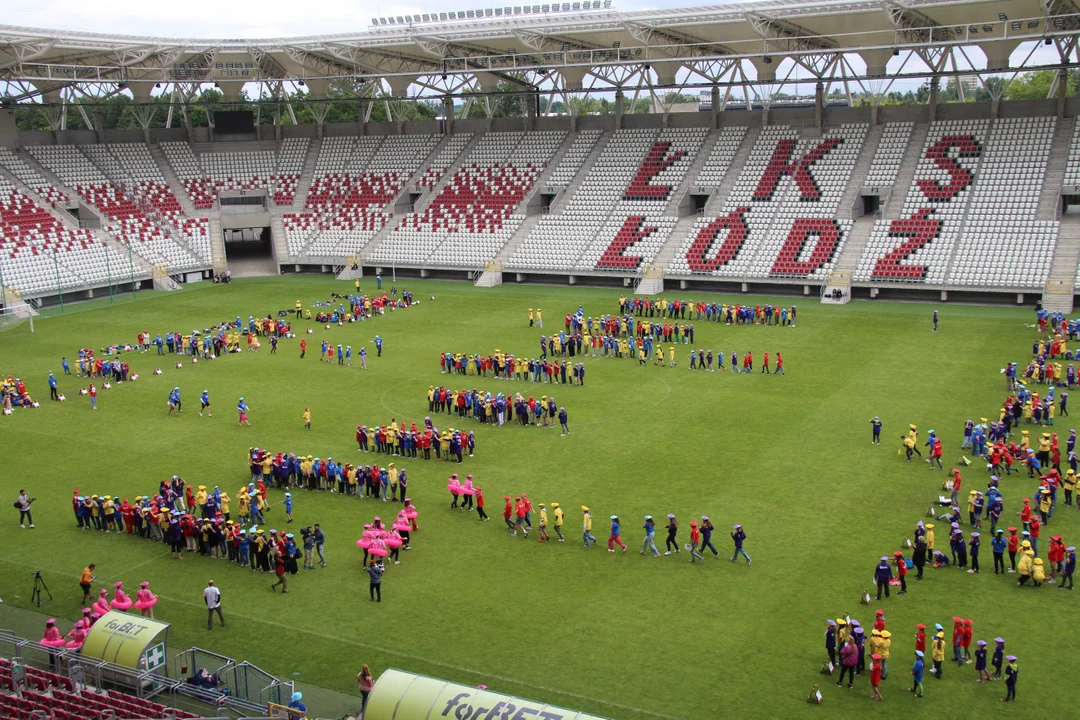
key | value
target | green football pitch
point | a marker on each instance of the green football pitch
(620, 635)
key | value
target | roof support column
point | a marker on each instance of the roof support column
(1062, 91)
(715, 104)
(448, 115)
(620, 102)
(932, 103)
(819, 103)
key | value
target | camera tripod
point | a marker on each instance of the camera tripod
(39, 586)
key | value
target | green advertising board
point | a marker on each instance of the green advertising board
(399, 695)
(128, 640)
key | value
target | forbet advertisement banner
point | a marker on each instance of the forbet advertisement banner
(123, 639)
(399, 695)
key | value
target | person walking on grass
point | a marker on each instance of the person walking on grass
(672, 527)
(375, 572)
(695, 537)
(587, 522)
(307, 419)
(23, 504)
(648, 543)
(242, 408)
(614, 536)
(85, 581)
(706, 536)
(279, 570)
(917, 671)
(213, 604)
(204, 403)
(738, 536)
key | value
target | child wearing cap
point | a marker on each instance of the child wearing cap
(901, 570)
(980, 662)
(999, 656)
(958, 639)
(288, 507)
(830, 640)
(998, 544)
(739, 537)
(965, 641)
(587, 519)
(692, 546)
(614, 535)
(706, 536)
(648, 543)
(1012, 673)
(875, 676)
(974, 544)
(917, 674)
(937, 652)
(672, 530)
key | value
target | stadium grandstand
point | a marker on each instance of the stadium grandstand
(786, 167)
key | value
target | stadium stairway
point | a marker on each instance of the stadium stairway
(1064, 268)
(906, 175)
(859, 173)
(840, 276)
(279, 241)
(174, 183)
(675, 240)
(719, 198)
(523, 232)
(1050, 201)
(571, 189)
(307, 175)
(689, 179)
(217, 237)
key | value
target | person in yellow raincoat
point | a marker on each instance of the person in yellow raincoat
(937, 652)
(1024, 567)
(200, 498)
(930, 540)
(1038, 572)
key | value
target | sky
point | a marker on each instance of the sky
(207, 18)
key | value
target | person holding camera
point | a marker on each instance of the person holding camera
(23, 506)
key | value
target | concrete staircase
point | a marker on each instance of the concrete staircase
(217, 237)
(279, 242)
(719, 198)
(175, 184)
(859, 172)
(524, 230)
(1050, 200)
(559, 206)
(906, 173)
(839, 277)
(678, 195)
(678, 236)
(63, 216)
(1060, 284)
(307, 175)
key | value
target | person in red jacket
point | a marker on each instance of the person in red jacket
(1025, 513)
(1055, 555)
(508, 513)
(1014, 547)
(480, 505)
(958, 639)
(966, 641)
(765, 364)
(920, 638)
(875, 676)
(128, 514)
(901, 570)
(303, 348)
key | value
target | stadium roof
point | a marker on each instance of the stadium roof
(569, 47)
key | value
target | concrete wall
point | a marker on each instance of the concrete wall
(9, 135)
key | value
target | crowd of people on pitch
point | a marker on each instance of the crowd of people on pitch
(504, 366)
(854, 652)
(398, 440)
(732, 314)
(496, 408)
(13, 394)
(201, 521)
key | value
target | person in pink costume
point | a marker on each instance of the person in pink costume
(145, 600)
(467, 493)
(76, 637)
(120, 600)
(378, 548)
(101, 605)
(52, 637)
(394, 542)
(411, 513)
(455, 490)
(376, 524)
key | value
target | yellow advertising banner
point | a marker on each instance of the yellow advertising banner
(399, 695)
(121, 638)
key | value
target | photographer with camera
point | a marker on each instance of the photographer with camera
(23, 506)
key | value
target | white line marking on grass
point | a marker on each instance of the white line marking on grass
(396, 653)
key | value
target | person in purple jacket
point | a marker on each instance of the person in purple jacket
(882, 575)
(739, 537)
